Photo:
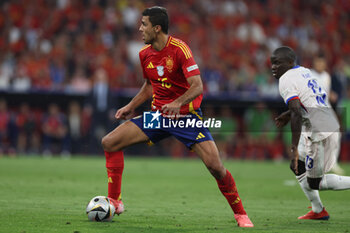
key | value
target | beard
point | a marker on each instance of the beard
(149, 40)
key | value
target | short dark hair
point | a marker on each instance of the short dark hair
(287, 53)
(158, 16)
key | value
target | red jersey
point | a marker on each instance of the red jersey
(167, 71)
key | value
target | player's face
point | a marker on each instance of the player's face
(148, 31)
(279, 65)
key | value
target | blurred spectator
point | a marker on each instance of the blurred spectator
(55, 132)
(57, 74)
(320, 73)
(226, 135)
(79, 83)
(103, 107)
(340, 80)
(251, 31)
(6, 72)
(7, 141)
(212, 77)
(75, 126)
(269, 88)
(261, 133)
(64, 45)
(130, 14)
(26, 131)
(21, 82)
(56, 39)
(234, 7)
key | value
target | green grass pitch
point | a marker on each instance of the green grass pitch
(160, 195)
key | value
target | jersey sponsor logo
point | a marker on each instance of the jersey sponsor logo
(160, 70)
(155, 120)
(169, 63)
(151, 120)
(110, 180)
(191, 68)
(150, 66)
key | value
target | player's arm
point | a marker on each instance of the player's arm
(282, 119)
(143, 95)
(196, 88)
(296, 123)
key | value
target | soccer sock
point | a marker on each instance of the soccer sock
(115, 167)
(334, 182)
(312, 195)
(228, 188)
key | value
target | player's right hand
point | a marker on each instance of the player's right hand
(123, 113)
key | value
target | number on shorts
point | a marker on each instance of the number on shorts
(309, 162)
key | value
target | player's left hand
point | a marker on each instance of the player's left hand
(282, 119)
(295, 159)
(172, 109)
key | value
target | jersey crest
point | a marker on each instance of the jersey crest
(169, 64)
(160, 70)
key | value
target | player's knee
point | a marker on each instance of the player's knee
(107, 143)
(218, 171)
(104, 143)
(301, 167)
(314, 183)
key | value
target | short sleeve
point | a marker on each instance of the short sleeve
(188, 64)
(142, 65)
(288, 89)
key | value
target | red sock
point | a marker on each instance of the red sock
(228, 188)
(115, 167)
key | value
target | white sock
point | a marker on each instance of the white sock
(312, 195)
(335, 182)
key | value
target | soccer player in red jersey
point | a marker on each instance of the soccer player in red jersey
(173, 79)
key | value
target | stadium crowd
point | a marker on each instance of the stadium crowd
(70, 46)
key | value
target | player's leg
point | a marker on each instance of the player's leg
(330, 182)
(336, 169)
(318, 211)
(209, 154)
(312, 195)
(326, 158)
(123, 136)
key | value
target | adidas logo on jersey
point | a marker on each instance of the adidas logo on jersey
(150, 66)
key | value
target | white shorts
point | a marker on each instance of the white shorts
(320, 156)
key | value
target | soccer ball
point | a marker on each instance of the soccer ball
(100, 209)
